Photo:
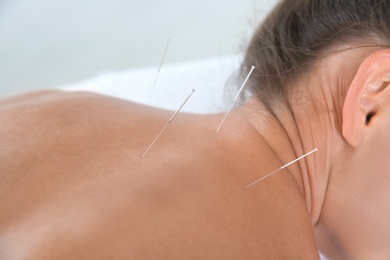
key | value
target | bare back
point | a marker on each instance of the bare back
(73, 185)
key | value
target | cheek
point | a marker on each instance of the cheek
(369, 213)
(376, 162)
(357, 208)
(364, 201)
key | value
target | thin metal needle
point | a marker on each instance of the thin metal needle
(159, 68)
(235, 99)
(167, 124)
(281, 168)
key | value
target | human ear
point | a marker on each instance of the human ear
(366, 97)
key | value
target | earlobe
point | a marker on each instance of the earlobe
(366, 96)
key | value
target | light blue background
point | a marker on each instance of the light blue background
(46, 43)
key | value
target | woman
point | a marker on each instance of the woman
(74, 183)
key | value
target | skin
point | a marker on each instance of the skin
(73, 183)
(354, 221)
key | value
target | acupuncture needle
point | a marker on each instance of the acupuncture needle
(159, 69)
(167, 124)
(281, 168)
(235, 99)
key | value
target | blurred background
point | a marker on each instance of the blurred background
(48, 43)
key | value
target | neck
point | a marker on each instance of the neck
(289, 138)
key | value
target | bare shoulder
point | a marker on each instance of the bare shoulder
(44, 103)
(51, 128)
(65, 109)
